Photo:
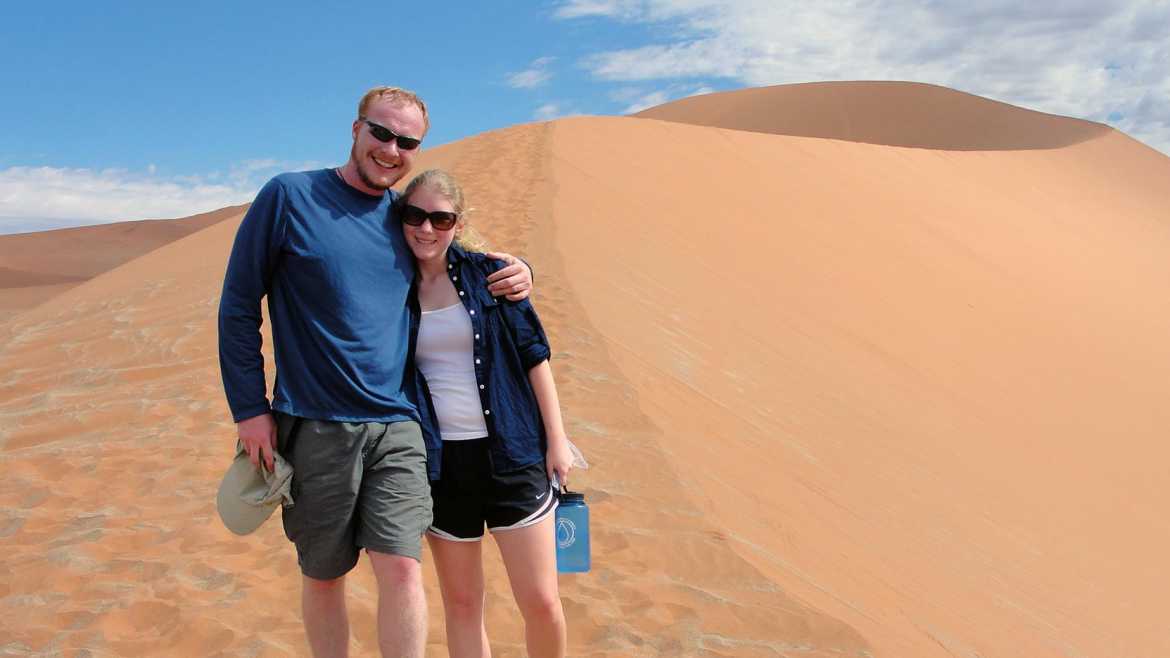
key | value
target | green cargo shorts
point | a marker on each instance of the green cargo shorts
(354, 486)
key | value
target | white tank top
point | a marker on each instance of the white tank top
(444, 356)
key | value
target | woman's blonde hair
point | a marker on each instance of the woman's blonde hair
(443, 183)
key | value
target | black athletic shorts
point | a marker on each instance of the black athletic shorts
(469, 495)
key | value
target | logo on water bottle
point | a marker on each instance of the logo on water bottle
(566, 533)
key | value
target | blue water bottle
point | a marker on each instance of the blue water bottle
(572, 533)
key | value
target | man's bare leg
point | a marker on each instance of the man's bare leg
(326, 619)
(402, 605)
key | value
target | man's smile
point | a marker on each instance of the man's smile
(382, 163)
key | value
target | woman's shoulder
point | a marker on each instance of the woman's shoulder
(483, 262)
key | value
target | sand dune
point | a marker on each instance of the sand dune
(841, 398)
(891, 113)
(38, 266)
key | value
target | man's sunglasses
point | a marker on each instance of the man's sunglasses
(384, 134)
(441, 220)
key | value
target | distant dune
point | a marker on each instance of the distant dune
(891, 113)
(37, 266)
(841, 397)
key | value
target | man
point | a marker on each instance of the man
(327, 250)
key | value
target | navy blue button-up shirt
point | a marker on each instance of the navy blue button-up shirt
(507, 342)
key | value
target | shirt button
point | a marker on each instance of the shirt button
(477, 336)
(487, 412)
(481, 387)
(477, 362)
(460, 293)
(473, 311)
(455, 278)
(449, 266)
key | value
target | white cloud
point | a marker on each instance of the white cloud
(535, 75)
(607, 8)
(638, 99)
(547, 112)
(646, 100)
(1086, 58)
(39, 198)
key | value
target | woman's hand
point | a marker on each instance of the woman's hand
(558, 460)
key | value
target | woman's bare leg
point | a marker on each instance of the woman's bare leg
(459, 565)
(531, 560)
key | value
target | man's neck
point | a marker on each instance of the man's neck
(349, 175)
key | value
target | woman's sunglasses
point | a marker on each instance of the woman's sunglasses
(384, 134)
(441, 220)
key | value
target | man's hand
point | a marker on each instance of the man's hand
(514, 281)
(258, 434)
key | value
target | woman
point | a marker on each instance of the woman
(492, 424)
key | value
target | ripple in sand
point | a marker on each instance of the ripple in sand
(76, 619)
(71, 558)
(207, 578)
(587, 427)
(9, 527)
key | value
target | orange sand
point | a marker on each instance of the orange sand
(841, 399)
(38, 266)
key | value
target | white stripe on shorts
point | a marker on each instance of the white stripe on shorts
(550, 504)
(435, 532)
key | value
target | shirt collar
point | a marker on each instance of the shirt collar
(455, 254)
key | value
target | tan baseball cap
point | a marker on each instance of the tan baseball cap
(248, 495)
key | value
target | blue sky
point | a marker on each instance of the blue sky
(127, 110)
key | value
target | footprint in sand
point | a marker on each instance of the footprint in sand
(141, 620)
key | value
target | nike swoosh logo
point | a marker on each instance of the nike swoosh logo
(541, 496)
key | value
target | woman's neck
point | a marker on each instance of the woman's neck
(429, 270)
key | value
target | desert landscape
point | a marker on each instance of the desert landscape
(39, 266)
(861, 369)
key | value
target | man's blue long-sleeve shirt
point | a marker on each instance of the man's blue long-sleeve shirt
(336, 270)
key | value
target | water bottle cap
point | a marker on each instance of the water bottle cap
(572, 497)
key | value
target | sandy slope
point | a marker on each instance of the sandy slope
(891, 113)
(841, 399)
(921, 391)
(38, 266)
